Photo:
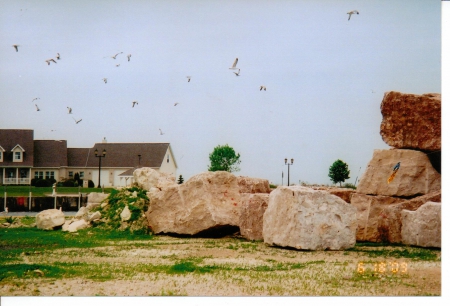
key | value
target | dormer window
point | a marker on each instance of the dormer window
(17, 154)
(1, 153)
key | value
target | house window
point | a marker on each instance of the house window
(81, 174)
(70, 174)
(17, 155)
(39, 174)
(1, 156)
(49, 174)
(167, 157)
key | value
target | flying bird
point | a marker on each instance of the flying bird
(37, 108)
(77, 121)
(114, 56)
(262, 87)
(237, 73)
(176, 103)
(117, 65)
(129, 56)
(105, 80)
(69, 110)
(189, 78)
(58, 57)
(16, 47)
(161, 132)
(51, 60)
(35, 99)
(134, 102)
(352, 12)
(234, 64)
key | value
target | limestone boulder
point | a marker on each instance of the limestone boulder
(205, 201)
(82, 213)
(95, 216)
(308, 219)
(49, 219)
(149, 178)
(411, 121)
(344, 193)
(253, 185)
(369, 213)
(77, 225)
(423, 226)
(392, 219)
(252, 209)
(95, 199)
(416, 176)
(125, 215)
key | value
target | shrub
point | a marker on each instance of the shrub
(91, 184)
(349, 185)
(43, 183)
(69, 183)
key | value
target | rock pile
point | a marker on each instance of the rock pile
(411, 125)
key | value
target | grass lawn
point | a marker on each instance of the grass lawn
(17, 191)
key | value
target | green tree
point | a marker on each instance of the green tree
(339, 172)
(180, 179)
(224, 158)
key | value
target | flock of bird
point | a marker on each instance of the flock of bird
(134, 103)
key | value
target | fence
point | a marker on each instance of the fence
(37, 204)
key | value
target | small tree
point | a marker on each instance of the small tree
(180, 179)
(339, 172)
(224, 158)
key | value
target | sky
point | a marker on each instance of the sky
(325, 76)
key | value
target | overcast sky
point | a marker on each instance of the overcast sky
(325, 76)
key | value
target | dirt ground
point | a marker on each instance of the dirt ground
(240, 268)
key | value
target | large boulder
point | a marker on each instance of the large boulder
(253, 185)
(411, 121)
(49, 219)
(304, 218)
(253, 206)
(77, 225)
(423, 226)
(94, 199)
(149, 178)
(206, 201)
(369, 212)
(391, 224)
(344, 193)
(416, 176)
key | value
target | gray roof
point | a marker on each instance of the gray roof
(9, 138)
(50, 153)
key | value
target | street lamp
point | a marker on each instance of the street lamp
(99, 164)
(288, 164)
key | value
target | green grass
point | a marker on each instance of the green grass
(382, 250)
(23, 191)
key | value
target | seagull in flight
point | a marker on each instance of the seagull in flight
(161, 132)
(129, 56)
(51, 60)
(37, 108)
(58, 57)
(134, 102)
(35, 99)
(16, 47)
(352, 12)
(189, 78)
(117, 65)
(176, 103)
(234, 64)
(105, 80)
(114, 56)
(77, 121)
(69, 110)
(237, 73)
(262, 87)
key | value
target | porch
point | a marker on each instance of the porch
(15, 176)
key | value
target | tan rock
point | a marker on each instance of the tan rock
(95, 199)
(253, 206)
(125, 215)
(205, 201)
(253, 185)
(77, 225)
(416, 176)
(423, 226)
(149, 178)
(304, 218)
(392, 221)
(82, 213)
(344, 193)
(411, 121)
(49, 219)
(95, 216)
(369, 213)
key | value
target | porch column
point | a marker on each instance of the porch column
(17, 176)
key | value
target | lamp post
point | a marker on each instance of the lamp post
(288, 164)
(99, 163)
